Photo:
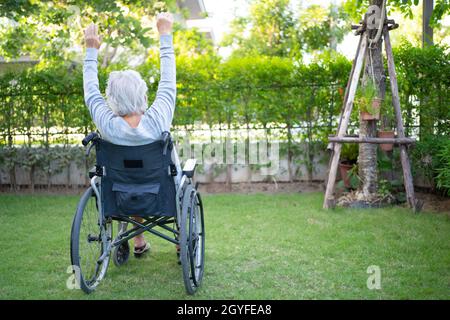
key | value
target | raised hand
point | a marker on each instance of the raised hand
(164, 22)
(91, 36)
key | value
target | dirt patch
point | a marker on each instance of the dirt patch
(246, 188)
(262, 187)
(355, 199)
(434, 203)
(44, 190)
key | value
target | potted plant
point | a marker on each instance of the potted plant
(349, 156)
(368, 102)
(387, 124)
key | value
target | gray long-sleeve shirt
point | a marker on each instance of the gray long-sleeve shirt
(157, 118)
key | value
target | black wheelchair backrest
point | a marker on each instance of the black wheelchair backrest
(137, 180)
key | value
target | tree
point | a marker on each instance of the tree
(50, 30)
(322, 27)
(356, 9)
(276, 28)
(427, 30)
(271, 30)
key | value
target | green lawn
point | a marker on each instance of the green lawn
(281, 246)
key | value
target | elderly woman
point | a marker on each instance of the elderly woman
(124, 118)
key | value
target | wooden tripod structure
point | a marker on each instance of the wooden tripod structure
(335, 142)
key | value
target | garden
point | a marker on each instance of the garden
(282, 246)
(283, 84)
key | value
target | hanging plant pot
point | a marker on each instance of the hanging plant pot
(375, 110)
(386, 147)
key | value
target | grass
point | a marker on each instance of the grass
(281, 246)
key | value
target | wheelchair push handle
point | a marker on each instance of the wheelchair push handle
(90, 137)
(167, 141)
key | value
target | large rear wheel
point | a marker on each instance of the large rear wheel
(192, 240)
(88, 240)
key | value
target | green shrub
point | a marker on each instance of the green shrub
(443, 169)
(431, 158)
(350, 152)
(364, 96)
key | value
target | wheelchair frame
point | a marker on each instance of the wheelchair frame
(185, 240)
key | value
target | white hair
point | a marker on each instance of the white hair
(126, 92)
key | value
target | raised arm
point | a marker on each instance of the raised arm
(163, 107)
(100, 113)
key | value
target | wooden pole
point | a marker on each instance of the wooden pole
(407, 177)
(329, 193)
(331, 145)
(347, 87)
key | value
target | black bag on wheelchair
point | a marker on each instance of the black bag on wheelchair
(137, 180)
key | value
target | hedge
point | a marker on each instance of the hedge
(45, 104)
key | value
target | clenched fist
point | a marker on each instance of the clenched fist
(91, 36)
(164, 22)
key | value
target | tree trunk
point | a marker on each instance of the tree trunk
(367, 160)
(212, 164)
(12, 178)
(229, 158)
(309, 154)
(247, 143)
(290, 154)
(32, 184)
(427, 31)
(333, 25)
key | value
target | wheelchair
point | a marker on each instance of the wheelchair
(137, 181)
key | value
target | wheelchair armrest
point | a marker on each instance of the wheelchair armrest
(189, 168)
(96, 171)
(92, 172)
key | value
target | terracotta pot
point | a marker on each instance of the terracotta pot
(344, 168)
(376, 106)
(386, 134)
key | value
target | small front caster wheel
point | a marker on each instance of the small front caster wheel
(121, 254)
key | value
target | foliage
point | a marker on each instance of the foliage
(424, 86)
(355, 180)
(275, 28)
(44, 105)
(365, 95)
(387, 112)
(389, 178)
(356, 8)
(392, 188)
(349, 152)
(443, 169)
(48, 30)
(430, 159)
(319, 26)
(272, 29)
